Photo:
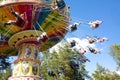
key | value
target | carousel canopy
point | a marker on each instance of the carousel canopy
(26, 20)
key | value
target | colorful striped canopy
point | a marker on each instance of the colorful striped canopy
(29, 18)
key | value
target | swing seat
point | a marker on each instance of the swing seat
(73, 28)
(61, 4)
(21, 23)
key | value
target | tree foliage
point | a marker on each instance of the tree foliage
(56, 66)
(115, 53)
(4, 63)
(4, 75)
(105, 74)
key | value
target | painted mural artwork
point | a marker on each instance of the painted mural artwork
(35, 53)
(28, 51)
(35, 68)
(25, 67)
(16, 69)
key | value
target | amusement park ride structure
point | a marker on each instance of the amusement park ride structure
(28, 27)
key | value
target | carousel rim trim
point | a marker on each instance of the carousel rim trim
(31, 32)
(27, 59)
(31, 2)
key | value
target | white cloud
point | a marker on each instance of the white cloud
(118, 72)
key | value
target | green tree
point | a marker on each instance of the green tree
(56, 65)
(115, 53)
(4, 75)
(104, 74)
(4, 63)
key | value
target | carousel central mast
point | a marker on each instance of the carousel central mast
(26, 67)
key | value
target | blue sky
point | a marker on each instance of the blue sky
(89, 10)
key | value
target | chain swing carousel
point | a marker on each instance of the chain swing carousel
(28, 27)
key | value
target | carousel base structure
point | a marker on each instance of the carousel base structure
(25, 78)
(26, 67)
